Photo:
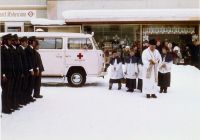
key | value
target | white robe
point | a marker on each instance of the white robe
(116, 71)
(165, 69)
(150, 84)
(131, 70)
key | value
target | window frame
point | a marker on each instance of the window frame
(80, 48)
(55, 43)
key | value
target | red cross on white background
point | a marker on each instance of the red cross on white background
(79, 55)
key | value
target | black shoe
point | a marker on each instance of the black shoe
(148, 96)
(32, 100)
(38, 96)
(153, 96)
(129, 90)
(119, 88)
(15, 108)
(110, 88)
(161, 90)
(7, 111)
(165, 90)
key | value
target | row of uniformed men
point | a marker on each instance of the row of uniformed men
(21, 68)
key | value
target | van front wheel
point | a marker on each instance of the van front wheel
(76, 79)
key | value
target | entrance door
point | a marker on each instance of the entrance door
(14, 27)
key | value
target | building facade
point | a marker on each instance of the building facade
(17, 16)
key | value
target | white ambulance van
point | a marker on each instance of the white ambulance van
(72, 55)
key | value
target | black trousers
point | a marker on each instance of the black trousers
(37, 85)
(131, 84)
(30, 86)
(6, 95)
(16, 91)
(24, 86)
(140, 84)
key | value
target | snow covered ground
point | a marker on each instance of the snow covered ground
(95, 113)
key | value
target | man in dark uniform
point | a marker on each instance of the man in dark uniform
(7, 73)
(18, 70)
(23, 45)
(38, 71)
(30, 53)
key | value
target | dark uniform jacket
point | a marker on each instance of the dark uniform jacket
(7, 66)
(17, 62)
(24, 59)
(38, 61)
(30, 58)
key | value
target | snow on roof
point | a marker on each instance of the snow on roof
(132, 15)
(42, 21)
(47, 34)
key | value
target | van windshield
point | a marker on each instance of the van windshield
(95, 43)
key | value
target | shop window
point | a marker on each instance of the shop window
(80, 43)
(50, 43)
(111, 36)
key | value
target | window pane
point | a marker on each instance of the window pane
(58, 43)
(79, 43)
(47, 43)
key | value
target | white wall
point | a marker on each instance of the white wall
(22, 2)
(117, 4)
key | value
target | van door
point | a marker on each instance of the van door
(52, 54)
(82, 53)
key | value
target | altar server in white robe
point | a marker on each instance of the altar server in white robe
(131, 71)
(116, 72)
(164, 71)
(151, 59)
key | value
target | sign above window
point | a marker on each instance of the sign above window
(17, 15)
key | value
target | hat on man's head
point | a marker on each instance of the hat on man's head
(15, 37)
(32, 38)
(7, 37)
(152, 42)
(23, 39)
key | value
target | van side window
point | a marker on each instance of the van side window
(50, 43)
(80, 43)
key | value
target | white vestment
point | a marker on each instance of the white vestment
(116, 71)
(131, 70)
(150, 72)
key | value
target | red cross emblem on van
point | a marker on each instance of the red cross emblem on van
(79, 55)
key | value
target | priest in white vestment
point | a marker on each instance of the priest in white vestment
(151, 59)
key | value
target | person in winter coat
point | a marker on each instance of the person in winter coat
(151, 59)
(164, 70)
(177, 55)
(131, 71)
(116, 72)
